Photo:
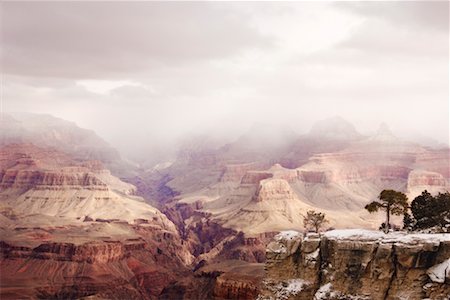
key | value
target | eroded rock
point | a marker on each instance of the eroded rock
(358, 264)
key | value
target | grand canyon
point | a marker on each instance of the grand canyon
(212, 150)
(200, 226)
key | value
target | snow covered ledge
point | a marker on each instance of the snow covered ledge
(391, 237)
(285, 243)
(359, 264)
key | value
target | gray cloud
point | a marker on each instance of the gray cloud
(146, 74)
(107, 39)
(412, 15)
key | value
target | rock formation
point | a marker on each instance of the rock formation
(338, 183)
(357, 264)
(36, 180)
(48, 131)
(71, 229)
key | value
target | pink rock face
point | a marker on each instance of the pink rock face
(25, 166)
(435, 161)
(374, 160)
(290, 175)
(47, 131)
(137, 268)
(103, 252)
(312, 176)
(423, 178)
(254, 177)
(235, 172)
(26, 179)
(274, 189)
(389, 172)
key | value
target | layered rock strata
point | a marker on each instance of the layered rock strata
(357, 264)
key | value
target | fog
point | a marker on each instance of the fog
(145, 75)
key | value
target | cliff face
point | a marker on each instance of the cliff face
(274, 189)
(44, 181)
(94, 252)
(357, 264)
(47, 131)
(26, 179)
(136, 268)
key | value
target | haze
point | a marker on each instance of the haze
(146, 74)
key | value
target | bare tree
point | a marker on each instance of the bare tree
(314, 220)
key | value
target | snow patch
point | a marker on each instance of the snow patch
(312, 257)
(324, 292)
(439, 272)
(285, 289)
(391, 237)
(290, 287)
(295, 285)
(288, 235)
(276, 248)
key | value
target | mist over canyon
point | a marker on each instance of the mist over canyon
(195, 225)
(224, 150)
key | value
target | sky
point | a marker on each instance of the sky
(144, 74)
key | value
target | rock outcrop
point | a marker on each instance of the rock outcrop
(235, 172)
(338, 183)
(135, 268)
(274, 189)
(47, 131)
(36, 180)
(357, 264)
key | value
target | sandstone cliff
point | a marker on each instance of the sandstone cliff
(138, 267)
(357, 264)
(45, 181)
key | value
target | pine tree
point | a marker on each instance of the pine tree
(392, 202)
(431, 212)
(408, 222)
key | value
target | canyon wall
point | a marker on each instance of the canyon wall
(357, 264)
(135, 268)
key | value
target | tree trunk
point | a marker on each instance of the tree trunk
(388, 216)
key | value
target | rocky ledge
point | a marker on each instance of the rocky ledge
(357, 264)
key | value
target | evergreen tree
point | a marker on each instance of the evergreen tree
(408, 222)
(392, 202)
(431, 212)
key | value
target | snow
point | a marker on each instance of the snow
(324, 292)
(285, 289)
(276, 248)
(288, 235)
(295, 286)
(311, 257)
(439, 272)
(290, 287)
(391, 237)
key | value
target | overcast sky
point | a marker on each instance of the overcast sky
(147, 73)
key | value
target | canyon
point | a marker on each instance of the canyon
(70, 229)
(78, 221)
(339, 183)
